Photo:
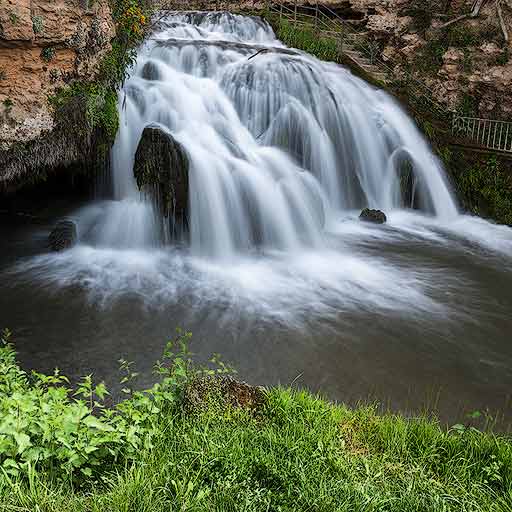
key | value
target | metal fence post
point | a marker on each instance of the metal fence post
(295, 12)
(316, 15)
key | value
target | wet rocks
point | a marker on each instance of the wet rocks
(161, 171)
(375, 216)
(63, 236)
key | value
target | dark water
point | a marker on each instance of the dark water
(415, 315)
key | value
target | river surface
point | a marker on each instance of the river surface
(280, 277)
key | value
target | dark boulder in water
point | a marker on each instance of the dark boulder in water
(161, 170)
(375, 216)
(150, 71)
(63, 236)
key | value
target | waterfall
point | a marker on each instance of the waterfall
(280, 143)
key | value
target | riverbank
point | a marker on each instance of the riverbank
(201, 441)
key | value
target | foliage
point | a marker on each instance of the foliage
(487, 189)
(430, 57)
(421, 11)
(48, 53)
(37, 24)
(468, 105)
(503, 58)
(99, 105)
(68, 434)
(295, 453)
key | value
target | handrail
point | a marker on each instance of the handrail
(489, 133)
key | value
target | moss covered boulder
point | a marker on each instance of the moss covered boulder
(161, 170)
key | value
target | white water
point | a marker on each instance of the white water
(279, 144)
(285, 150)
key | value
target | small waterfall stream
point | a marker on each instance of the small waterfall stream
(280, 144)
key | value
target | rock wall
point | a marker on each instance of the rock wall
(45, 44)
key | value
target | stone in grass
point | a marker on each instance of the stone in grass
(222, 390)
(63, 236)
(375, 216)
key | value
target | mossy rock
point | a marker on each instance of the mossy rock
(161, 170)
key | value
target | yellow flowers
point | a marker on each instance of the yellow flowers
(133, 19)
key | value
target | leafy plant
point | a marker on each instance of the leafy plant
(487, 188)
(37, 24)
(48, 53)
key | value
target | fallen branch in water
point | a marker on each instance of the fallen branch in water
(263, 50)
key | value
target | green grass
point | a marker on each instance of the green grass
(305, 38)
(294, 452)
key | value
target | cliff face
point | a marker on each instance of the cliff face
(45, 44)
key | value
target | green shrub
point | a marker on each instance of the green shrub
(69, 433)
(487, 189)
(48, 53)
(63, 449)
(307, 39)
(37, 24)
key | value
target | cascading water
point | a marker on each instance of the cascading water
(280, 144)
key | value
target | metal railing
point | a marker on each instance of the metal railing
(488, 133)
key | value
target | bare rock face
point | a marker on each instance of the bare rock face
(43, 45)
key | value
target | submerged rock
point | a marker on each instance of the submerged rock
(161, 170)
(375, 216)
(63, 236)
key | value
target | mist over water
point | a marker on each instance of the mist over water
(285, 151)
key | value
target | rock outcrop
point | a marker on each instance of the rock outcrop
(161, 170)
(44, 44)
(375, 216)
